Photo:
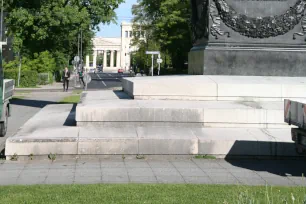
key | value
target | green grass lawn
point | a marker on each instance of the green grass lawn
(71, 99)
(138, 193)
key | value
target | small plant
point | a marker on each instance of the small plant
(31, 156)
(123, 157)
(204, 157)
(52, 157)
(14, 157)
(140, 157)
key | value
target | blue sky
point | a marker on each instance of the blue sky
(124, 13)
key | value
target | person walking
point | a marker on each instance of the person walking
(66, 78)
(81, 76)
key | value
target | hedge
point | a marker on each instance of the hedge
(27, 78)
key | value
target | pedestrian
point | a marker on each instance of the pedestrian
(81, 76)
(66, 78)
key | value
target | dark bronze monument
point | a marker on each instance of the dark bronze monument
(248, 37)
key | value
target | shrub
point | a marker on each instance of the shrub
(27, 78)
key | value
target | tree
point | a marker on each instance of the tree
(167, 22)
(54, 25)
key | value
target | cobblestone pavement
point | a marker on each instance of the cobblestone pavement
(95, 171)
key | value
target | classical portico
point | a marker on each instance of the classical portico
(106, 54)
(113, 53)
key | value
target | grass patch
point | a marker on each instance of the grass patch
(142, 193)
(204, 157)
(71, 99)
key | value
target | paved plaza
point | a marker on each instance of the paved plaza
(175, 171)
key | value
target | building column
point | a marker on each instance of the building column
(87, 62)
(112, 59)
(104, 58)
(95, 59)
(118, 59)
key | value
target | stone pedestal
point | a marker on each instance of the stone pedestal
(216, 60)
(250, 38)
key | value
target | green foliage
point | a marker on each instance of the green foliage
(54, 25)
(166, 23)
(154, 193)
(28, 78)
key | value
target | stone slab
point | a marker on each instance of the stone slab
(210, 87)
(65, 140)
(167, 141)
(171, 113)
(107, 141)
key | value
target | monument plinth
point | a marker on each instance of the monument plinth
(248, 37)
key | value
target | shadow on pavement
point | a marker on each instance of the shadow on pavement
(279, 165)
(70, 121)
(31, 103)
(122, 95)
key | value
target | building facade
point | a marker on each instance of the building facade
(113, 53)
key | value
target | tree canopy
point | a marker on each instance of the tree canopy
(54, 25)
(167, 24)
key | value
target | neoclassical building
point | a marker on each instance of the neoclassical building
(113, 53)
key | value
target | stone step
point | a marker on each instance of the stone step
(114, 109)
(230, 88)
(222, 142)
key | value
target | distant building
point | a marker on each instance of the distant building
(114, 53)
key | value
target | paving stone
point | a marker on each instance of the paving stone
(208, 170)
(34, 173)
(114, 172)
(160, 164)
(137, 164)
(170, 179)
(88, 172)
(110, 164)
(265, 174)
(59, 180)
(87, 180)
(8, 181)
(253, 181)
(62, 172)
(281, 181)
(10, 173)
(140, 172)
(184, 164)
(166, 172)
(191, 172)
(223, 178)
(143, 179)
(198, 179)
(115, 179)
(300, 181)
(245, 174)
(27, 180)
(11, 166)
(204, 164)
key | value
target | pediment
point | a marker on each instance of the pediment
(106, 42)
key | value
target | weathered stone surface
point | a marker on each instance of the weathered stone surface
(250, 38)
(107, 141)
(234, 88)
(167, 141)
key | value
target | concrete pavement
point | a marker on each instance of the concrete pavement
(26, 107)
(106, 80)
(159, 170)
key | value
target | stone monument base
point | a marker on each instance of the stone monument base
(248, 61)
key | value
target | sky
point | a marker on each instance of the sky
(124, 13)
